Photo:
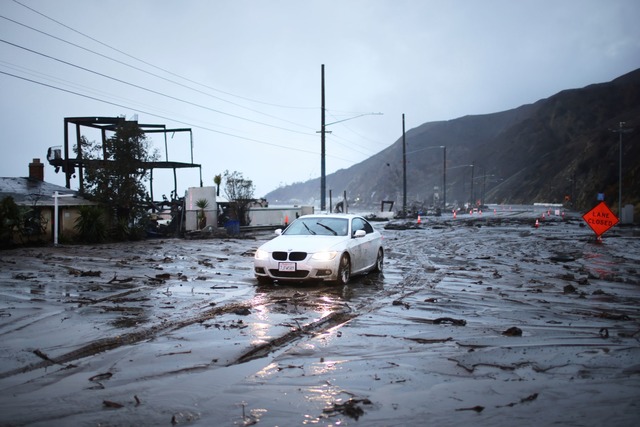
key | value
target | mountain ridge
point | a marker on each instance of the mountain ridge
(559, 149)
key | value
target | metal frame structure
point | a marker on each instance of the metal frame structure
(105, 124)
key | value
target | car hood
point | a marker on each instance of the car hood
(305, 243)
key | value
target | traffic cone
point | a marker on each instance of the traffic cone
(286, 220)
(537, 223)
(419, 220)
(454, 214)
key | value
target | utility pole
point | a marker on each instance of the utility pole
(323, 178)
(621, 129)
(473, 166)
(444, 180)
(620, 170)
(404, 170)
(323, 132)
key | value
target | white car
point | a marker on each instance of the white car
(327, 248)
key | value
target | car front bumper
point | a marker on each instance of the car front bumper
(307, 270)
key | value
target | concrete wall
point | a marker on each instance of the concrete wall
(211, 212)
(66, 228)
(277, 215)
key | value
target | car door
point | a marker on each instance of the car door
(371, 247)
(362, 245)
(355, 247)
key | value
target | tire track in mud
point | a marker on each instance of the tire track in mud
(417, 249)
(110, 343)
(329, 321)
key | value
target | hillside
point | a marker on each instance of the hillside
(559, 147)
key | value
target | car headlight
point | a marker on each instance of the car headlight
(324, 256)
(260, 254)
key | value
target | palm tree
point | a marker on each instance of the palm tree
(202, 219)
(217, 180)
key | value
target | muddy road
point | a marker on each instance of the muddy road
(485, 320)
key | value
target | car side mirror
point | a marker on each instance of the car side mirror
(278, 231)
(359, 233)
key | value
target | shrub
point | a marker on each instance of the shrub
(90, 225)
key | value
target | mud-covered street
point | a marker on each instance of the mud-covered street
(483, 320)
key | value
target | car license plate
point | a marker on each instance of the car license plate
(286, 266)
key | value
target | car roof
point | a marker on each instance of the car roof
(332, 215)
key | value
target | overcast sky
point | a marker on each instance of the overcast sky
(245, 75)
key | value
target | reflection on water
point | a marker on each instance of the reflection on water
(323, 393)
(325, 367)
(329, 294)
(261, 327)
(602, 267)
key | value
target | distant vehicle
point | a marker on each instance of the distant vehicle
(325, 248)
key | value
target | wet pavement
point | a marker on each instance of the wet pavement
(482, 319)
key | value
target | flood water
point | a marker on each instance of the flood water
(482, 319)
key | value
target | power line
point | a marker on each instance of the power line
(349, 145)
(148, 72)
(147, 89)
(351, 142)
(157, 93)
(156, 67)
(147, 112)
(179, 76)
(35, 73)
(162, 117)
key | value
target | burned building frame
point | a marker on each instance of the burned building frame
(59, 156)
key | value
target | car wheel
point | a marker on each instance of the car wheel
(344, 270)
(379, 261)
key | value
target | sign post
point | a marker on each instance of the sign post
(600, 219)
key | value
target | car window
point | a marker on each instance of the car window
(318, 226)
(361, 224)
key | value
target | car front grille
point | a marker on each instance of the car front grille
(297, 256)
(280, 256)
(291, 256)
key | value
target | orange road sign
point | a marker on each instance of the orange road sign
(600, 218)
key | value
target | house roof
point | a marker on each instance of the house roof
(30, 191)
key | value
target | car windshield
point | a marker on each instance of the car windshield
(318, 226)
